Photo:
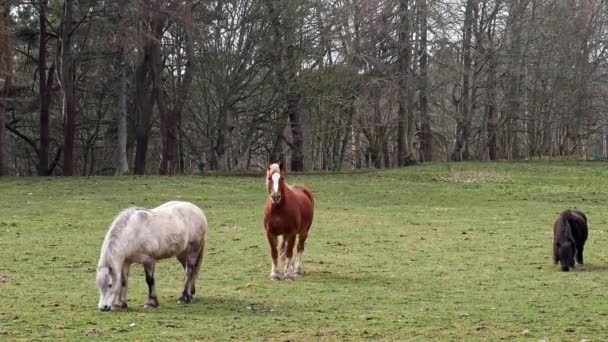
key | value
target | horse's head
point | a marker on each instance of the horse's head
(566, 251)
(275, 182)
(107, 283)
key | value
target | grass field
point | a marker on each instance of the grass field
(432, 252)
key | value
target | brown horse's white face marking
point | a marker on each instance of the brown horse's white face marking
(275, 182)
(108, 288)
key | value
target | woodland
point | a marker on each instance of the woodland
(184, 87)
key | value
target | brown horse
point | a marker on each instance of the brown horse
(288, 213)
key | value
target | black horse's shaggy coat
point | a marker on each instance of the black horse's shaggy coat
(569, 235)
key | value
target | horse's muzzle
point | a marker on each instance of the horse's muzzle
(105, 308)
(276, 199)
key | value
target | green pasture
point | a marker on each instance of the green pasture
(436, 252)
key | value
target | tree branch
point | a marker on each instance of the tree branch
(22, 136)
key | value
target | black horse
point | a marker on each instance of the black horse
(569, 235)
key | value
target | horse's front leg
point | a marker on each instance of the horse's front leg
(124, 287)
(291, 240)
(191, 260)
(149, 270)
(274, 254)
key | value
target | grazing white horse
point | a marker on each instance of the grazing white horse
(143, 236)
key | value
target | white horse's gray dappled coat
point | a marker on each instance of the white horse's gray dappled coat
(139, 235)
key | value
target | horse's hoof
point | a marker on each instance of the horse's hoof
(184, 300)
(299, 271)
(152, 303)
(275, 277)
(290, 276)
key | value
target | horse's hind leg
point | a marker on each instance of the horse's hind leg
(197, 267)
(274, 254)
(300, 252)
(579, 253)
(191, 260)
(152, 298)
(291, 240)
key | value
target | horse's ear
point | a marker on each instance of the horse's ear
(281, 167)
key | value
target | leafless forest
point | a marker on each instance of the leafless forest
(173, 87)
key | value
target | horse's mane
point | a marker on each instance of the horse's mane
(109, 243)
(568, 231)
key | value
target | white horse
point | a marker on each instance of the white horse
(143, 236)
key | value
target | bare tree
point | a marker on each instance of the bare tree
(426, 134)
(122, 164)
(7, 73)
(463, 129)
(405, 84)
(43, 151)
(67, 84)
(171, 117)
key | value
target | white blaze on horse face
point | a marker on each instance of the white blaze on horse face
(275, 182)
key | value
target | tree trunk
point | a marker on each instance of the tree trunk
(426, 135)
(7, 71)
(404, 114)
(276, 154)
(145, 97)
(287, 57)
(224, 138)
(491, 120)
(43, 150)
(173, 118)
(297, 146)
(145, 105)
(513, 95)
(386, 155)
(347, 134)
(67, 84)
(461, 149)
(122, 163)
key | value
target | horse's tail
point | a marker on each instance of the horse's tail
(199, 260)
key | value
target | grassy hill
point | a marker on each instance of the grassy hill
(432, 252)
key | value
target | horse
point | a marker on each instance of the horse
(143, 236)
(569, 235)
(288, 214)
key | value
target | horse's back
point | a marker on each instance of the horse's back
(578, 224)
(306, 192)
(171, 228)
